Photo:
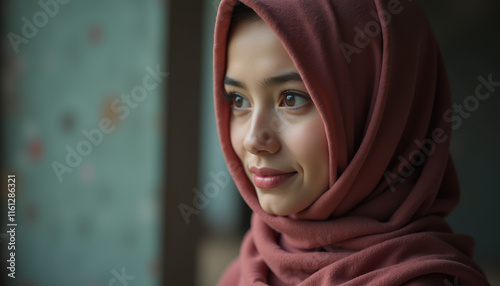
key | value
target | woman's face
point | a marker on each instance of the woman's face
(276, 130)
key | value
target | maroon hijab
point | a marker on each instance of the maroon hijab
(375, 73)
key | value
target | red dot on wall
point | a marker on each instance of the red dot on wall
(31, 213)
(154, 266)
(108, 110)
(35, 149)
(68, 121)
(95, 34)
(87, 173)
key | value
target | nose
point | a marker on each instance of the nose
(261, 138)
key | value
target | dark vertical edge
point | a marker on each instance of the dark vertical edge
(179, 239)
(3, 167)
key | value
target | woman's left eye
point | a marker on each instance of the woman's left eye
(294, 99)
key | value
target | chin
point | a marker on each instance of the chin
(277, 211)
(279, 205)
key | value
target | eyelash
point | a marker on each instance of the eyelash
(229, 96)
(284, 92)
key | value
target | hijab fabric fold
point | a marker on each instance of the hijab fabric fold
(375, 73)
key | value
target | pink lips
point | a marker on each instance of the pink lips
(266, 178)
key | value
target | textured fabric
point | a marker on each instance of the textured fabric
(375, 73)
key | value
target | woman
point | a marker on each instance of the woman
(331, 119)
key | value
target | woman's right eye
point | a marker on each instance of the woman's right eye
(239, 102)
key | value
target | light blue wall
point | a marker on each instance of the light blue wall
(104, 214)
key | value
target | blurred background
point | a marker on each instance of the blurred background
(108, 126)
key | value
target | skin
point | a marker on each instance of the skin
(270, 128)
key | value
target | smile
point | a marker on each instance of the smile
(268, 178)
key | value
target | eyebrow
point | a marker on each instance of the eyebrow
(275, 80)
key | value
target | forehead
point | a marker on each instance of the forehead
(254, 47)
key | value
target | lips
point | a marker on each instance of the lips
(266, 178)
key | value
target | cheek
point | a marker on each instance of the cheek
(308, 143)
(307, 140)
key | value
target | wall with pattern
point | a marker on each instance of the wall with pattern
(82, 121)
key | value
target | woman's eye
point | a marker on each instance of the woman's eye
(240, 102)
(293, 99)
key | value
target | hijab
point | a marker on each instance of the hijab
(375, 73)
